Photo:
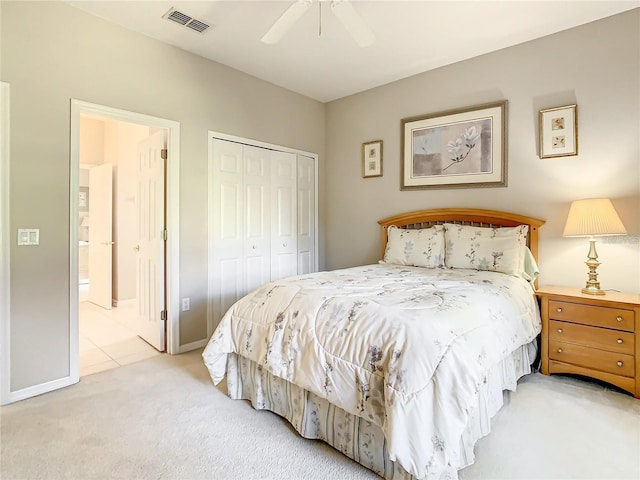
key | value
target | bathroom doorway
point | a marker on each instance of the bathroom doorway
(123, 218)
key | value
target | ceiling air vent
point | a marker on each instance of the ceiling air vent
(186, 21)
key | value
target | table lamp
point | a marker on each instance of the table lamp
(593, 217)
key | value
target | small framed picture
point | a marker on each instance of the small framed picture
(558, 131)
(372, 159)
(83, 199)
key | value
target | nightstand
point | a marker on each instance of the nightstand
(592, 335)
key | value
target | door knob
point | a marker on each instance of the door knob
(137, 248)
(108, 243)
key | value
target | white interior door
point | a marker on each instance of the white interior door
(100, 234)
(150, 265)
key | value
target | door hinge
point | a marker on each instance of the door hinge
(163, 153)
(164, 234)
(163, 315)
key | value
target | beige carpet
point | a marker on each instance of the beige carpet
(163, 419)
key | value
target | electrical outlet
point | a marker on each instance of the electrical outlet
(186, 304)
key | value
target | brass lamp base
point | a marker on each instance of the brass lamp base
(593, 291)
(593, 285)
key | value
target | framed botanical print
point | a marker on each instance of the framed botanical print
(372, 159)
(558, 131)
(83, 199)
(462, 148)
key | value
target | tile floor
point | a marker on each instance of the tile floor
(106, 339)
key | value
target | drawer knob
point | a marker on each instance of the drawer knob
(559, 330)
(619, 363)
(559, 350)
(559, 309)
(619, 318)
(619, 340)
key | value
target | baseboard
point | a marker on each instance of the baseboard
(129, 302)
(38, 390)
(192, 346)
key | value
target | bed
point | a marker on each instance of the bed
(399, 365)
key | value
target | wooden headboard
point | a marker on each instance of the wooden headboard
(463, 216)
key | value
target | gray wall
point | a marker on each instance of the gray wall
(52, 53)
(596, 66)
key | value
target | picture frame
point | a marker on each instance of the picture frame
(558, 131)
(462, 148)
(372, 159)
(83, 199)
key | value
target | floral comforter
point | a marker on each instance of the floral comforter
(405, 347)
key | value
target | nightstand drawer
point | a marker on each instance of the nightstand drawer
(616, 363)
(602, 338)
(591, 315)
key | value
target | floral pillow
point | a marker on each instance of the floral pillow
(420, 248)
(482, 248)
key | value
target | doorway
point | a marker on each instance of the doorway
(123, 215)
(111, 206)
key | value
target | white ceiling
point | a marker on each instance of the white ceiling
(411, 36)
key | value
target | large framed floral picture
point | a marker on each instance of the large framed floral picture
(455, 149)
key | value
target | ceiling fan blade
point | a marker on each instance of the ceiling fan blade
(353, 22)
(286, 21)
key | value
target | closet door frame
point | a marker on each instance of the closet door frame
(210, 207)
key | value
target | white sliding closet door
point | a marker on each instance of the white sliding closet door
(257, 213)
(284, 262)
(262, 219)
(227, 232)
(306, 209)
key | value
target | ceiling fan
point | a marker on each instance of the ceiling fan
(342, 9)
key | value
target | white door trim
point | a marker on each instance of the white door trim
(255, 143)
(258, 143)
(5, 298)
(173, 218)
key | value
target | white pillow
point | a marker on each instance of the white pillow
(483, 248)
(530, 270)
(420, 248)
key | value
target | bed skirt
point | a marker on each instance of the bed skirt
(359, 439)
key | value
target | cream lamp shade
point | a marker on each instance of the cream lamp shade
(593, 217)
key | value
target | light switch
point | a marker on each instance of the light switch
(23, 237)
(28, 236)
